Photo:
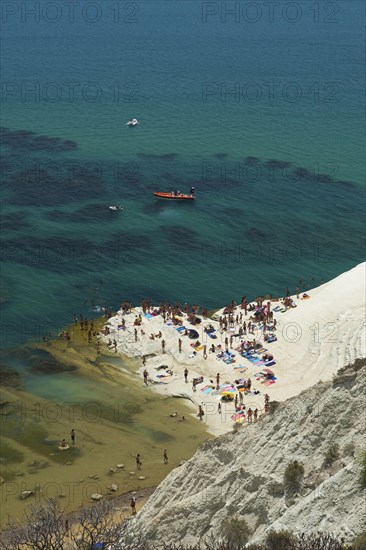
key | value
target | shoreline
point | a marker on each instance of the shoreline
(113, 420)
(301, 360)
(310, 347)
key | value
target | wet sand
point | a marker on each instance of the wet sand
(114, 416)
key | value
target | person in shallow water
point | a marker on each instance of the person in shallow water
(138, 462)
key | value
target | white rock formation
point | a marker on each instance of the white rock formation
(242, 473)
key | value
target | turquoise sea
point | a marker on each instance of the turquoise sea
(261, 111)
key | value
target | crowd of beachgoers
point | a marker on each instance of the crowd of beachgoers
(222, 362)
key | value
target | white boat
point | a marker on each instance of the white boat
(115, 208)
(132, 122)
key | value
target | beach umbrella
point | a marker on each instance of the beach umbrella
(227, 396)
(269, 371)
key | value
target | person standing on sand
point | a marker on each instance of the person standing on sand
(138, 462)
(180, 345)
(219, 408)
(133, 506)
(163, 346)
(186, 375)
(255, 414)
(250, 414)
(297, 292)
(218, 380)
(205, 352)
(266, 398)
(165, 457)
(200, 413)
(72, 435)
(143, 360)
(135, 334)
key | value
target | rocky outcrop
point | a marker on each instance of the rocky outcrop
(242, 474)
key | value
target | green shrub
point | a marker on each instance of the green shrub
(360, 542)
(363, 469)
(331, 454)
(278, 540)
(293, 477)
(235, 532)
(320, 541)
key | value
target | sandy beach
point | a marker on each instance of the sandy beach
(313, 339)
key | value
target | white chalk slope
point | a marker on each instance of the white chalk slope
(242, 474)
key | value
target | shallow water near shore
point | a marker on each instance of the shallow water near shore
(114, 417)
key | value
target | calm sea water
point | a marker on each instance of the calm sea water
(262, 112)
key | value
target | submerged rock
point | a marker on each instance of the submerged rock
(26, 494)
(9, 377)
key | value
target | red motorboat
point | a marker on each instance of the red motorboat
(176, 195)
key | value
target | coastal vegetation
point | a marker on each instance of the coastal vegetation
(293, 477)
(363, 469)
(47, 528)
(331, 455)
(235, 531)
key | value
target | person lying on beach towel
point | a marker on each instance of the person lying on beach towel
(269, 338)
(198, 380)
